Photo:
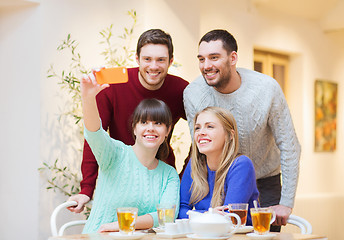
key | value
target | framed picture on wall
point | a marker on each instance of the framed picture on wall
(325, 93)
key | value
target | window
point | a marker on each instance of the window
(273, 64)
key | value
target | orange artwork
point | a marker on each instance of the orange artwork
(325, 116)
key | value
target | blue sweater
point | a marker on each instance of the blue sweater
(124, 182)
(240, 187)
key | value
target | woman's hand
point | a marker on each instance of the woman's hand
(89, 86)
(220, 210)
(89, 89)
(109, 227)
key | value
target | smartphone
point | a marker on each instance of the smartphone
(112, 75)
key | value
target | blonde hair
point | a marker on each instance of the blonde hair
(200, 186)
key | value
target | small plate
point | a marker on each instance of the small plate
(261, 237)
(158, 229)
(118, 235)
(195, 236)
(176, 235)
(245, 229)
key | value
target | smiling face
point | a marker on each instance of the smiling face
(154, 62)
(215, 64)
(209, 135)
(150, 134)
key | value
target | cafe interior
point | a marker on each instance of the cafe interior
(303, 39)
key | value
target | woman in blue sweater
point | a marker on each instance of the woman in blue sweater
(216, 174)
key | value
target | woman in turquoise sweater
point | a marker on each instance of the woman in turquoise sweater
(129, 176)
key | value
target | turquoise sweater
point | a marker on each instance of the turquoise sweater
(124, 182)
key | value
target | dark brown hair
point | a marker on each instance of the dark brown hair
(228, 41)
(155, 36)
(157, 111)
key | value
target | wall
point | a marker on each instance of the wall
(20, 121)
(30, 33)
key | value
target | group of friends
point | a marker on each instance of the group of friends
(244, 140)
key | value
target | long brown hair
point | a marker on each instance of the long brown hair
(200, 186)
(157, 111)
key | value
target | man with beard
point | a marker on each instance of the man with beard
(154, 55)
(266, 131)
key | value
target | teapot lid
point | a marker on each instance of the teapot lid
(211, 217)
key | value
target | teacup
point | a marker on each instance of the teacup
(126, 217)
(171, 228)
(183, 226)
(261, 219)
(241, 210)
(166, 213)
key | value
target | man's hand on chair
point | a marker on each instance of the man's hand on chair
(282, 214)
(81, 199)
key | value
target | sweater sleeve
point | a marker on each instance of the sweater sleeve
(282, 127)
(240, 181)
(170, 193)
(185, 192)
(106, 150)
(189, 106)
(89, 170)
(89, 166)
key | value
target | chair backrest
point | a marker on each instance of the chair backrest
(53, 217)
(303, 224)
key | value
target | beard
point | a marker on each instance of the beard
(222, 82)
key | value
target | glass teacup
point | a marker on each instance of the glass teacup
(261, 219)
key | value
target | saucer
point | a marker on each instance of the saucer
(158, 229)
(245, 229)
(118, 235)
(175, 235)
(195, 236)
(255, 236)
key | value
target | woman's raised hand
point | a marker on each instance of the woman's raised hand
(89, 89)
(89, 85)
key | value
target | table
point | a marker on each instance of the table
(105, 236)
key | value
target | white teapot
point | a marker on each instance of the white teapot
(212, 224)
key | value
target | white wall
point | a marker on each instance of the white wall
(31, 103)
(20, 121)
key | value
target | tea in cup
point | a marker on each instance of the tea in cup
(127, 219)
(261, 219)
(241, 210)
(166, 213)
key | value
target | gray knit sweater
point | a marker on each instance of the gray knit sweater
(266, 130)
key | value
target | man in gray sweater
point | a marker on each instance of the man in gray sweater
(266, 131)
